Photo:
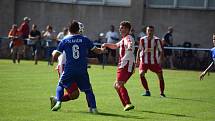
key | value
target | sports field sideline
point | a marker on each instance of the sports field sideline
(25, 89)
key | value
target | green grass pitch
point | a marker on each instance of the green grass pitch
(25, 90)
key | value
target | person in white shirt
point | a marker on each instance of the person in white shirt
(112, 37)
(62, 34)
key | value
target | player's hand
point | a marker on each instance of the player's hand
(137, 63)
(103, 45)
(202, 75)
(54, 52)
(104, 50)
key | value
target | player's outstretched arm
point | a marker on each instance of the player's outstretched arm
(99, 50)
(55, 55)
(204, 72)
(109, 45)
(137, 63)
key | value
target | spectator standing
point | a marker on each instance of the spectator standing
(50, 38)
(16, 44)
(132, 33)
(98, 42)
(112, 37)
(62, 34)
(142, 33)
(24, 30)
(168, 42)
(35, 44)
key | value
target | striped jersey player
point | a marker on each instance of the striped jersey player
(149, 56)
(126, 63)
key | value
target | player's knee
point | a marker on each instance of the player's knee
(142, 74)
(117, 85)
(75, 94)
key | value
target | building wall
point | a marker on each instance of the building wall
(7, 12)
(95, 18)
(195, 26)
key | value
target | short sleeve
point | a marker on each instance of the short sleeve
(141, 44)
(90, 44)
(60, 47)
(160, 48)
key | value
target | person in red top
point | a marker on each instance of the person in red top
(24, 31)
(16, 44)
(149, 56)
(24, 28)
(126, 63)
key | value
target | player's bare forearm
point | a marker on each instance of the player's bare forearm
(99, 50)
(109, 45)
(161, 56)
(55, 55)
(138, 57)
(205, 71)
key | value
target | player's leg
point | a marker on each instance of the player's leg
(59, 95)
(162, 84)
(122, 77)
(72, 93)
(158, 70)
(91, 101)
(123, 94)
(85, 86)
(142, 70)
(119, 92)
(145, 84)
(53, 99)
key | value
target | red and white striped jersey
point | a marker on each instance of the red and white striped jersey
(61, 63)
(150, 49)
(126, 52)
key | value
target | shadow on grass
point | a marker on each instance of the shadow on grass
(122, 116)
(126, 116)
(171, 114)
(179, 98)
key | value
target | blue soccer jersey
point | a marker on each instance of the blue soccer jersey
(213, 53)
(76, 48)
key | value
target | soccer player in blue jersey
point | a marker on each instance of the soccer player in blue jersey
(212, 63)
(75, 70)
(71, 93)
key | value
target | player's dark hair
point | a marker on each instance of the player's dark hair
(74, 26)
(127, 24)
(34, 25)
(150, 26)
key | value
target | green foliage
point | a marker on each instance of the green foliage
(25, 89)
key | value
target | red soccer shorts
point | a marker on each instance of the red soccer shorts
(153, 67)
(123, 74)
(72, 88)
